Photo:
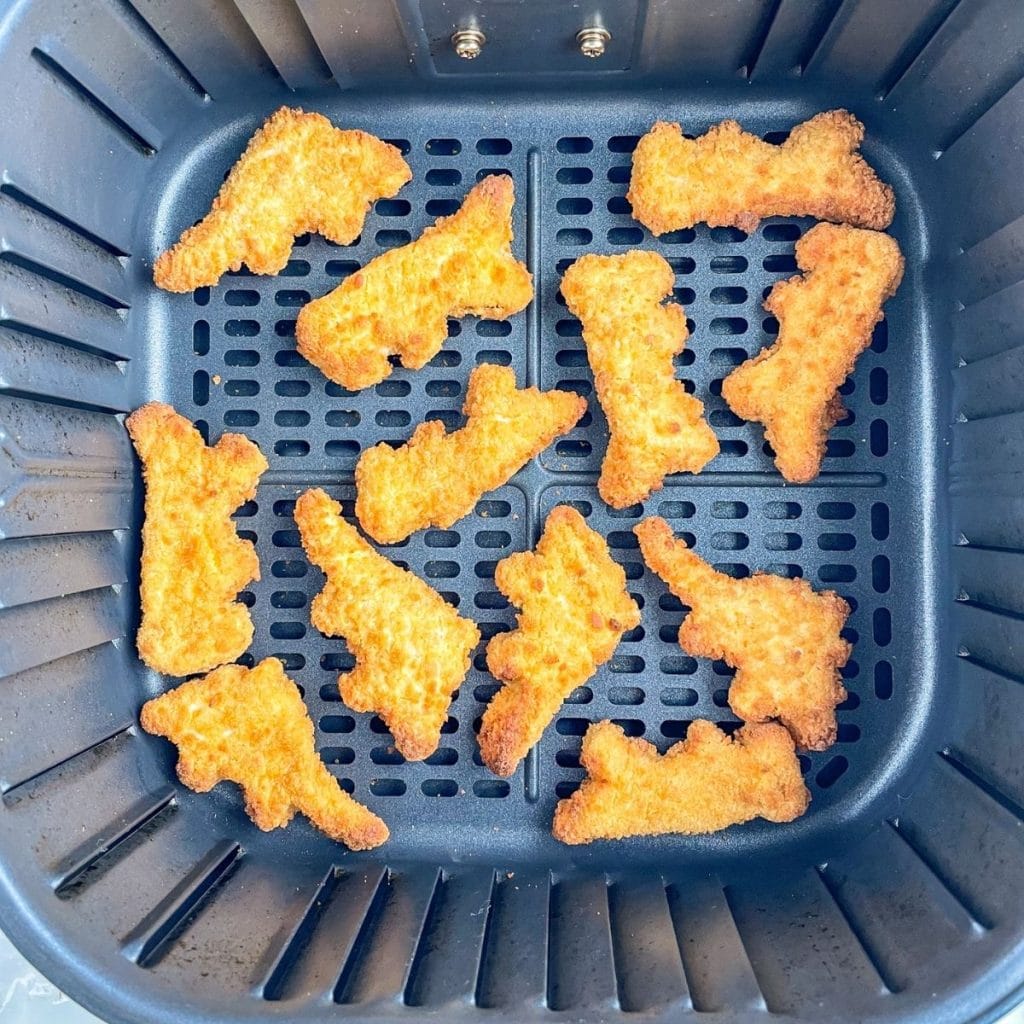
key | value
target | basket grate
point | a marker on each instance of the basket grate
(246, 375)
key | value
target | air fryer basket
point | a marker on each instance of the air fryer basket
(899, 897)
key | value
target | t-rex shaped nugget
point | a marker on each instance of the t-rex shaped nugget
(825, 321)
(193, 562)
(400, 301)
(411, 647)
(250, 726)
(436, 478)
(781, 636)
(656, 427)
(575, 608)
(704, 783)
(299, 173)
(730, 178)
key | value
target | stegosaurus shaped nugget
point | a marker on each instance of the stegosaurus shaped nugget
(704, 783)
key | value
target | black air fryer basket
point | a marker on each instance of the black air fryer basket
(898, 897)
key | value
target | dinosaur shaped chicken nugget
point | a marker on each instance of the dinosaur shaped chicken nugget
(704, 783)
(399, 303)
(728, 177)
(575, 608)
(411, 647)
(299, 173)
(437, 477)
(656, 427)
(250, 726)
(826, 318)
(193, 562)
(781, 636)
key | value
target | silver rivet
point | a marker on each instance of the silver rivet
(592, 40)
(468, 42)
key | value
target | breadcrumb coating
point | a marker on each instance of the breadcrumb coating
(706, 782)
(826, 317)
(782, 637)
(575, 609)
(437, 478)
(299, 173)
(730, 178)
(656, 427)
(250, 726)
(400, 302)
(411, 647)
(193, 562)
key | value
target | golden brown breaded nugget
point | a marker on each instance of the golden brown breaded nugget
(411, 647)
(704, 783)
(729, 177)
(400, 302)
(299, 173)
(193, 562)
(656, 427)
(436, 478)
(825, 318)
(781, 636)
(250, 726)
(575, 608)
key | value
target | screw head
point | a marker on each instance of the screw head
(593, 40)
(468, 42)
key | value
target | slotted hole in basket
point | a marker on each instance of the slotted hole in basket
(443, 176)
(338, 755)
(442, 207)
(201, 337)
(200, 387)
(574, 236)
(439, 787)
(341, 268)
(626, 695)
(386, 755)
(337, 723)
(574, 144)
(387, 787)
(625, 236)
(575, 206)
(291, 448)
(443, 147)
(491, 788)
(242, 329)
(392, 238)
(573, 448)
(574, 175)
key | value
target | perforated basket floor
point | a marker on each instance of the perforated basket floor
(234, 366)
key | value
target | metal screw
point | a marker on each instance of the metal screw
(592, 40)
(468, 42)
